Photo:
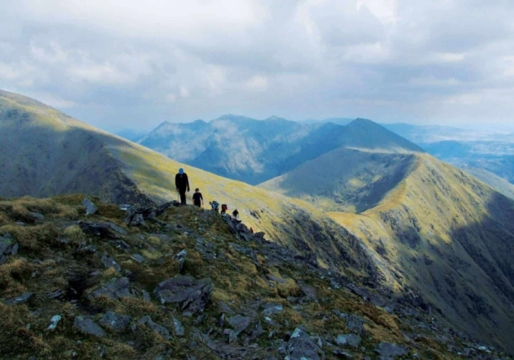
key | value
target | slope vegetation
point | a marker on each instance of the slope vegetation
(45, 153)
(349, 180)
(449, 237)
(73, 291)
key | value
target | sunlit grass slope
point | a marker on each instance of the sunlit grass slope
(449, 237)
(45, 153)
(345, 179)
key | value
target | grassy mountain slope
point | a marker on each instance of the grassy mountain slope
(259, 294)
(344, 179)
(450, 237)
(498, 183)
(45, 153)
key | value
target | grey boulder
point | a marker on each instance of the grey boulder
(192, 295)
(115, 322)
(87, 326)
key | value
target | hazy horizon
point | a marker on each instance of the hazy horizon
(128, 65)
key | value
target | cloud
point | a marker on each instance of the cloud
(128, 63)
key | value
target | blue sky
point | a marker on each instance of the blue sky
(131, 64)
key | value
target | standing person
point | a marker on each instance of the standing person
(235, 214)
(198, 198)
(182, 184)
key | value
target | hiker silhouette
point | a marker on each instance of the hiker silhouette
(182, 184)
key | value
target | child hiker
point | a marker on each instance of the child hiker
(198, 198)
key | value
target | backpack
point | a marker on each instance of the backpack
(224, 208)
(215, 205)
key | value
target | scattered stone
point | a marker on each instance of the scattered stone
(100, 229)
(115, 322)
(117, 228)
(108, 261)
(54, 321)
(147, 320)
(124, 207)
(20, 223)
(22, 299)
(146, 296)
(342, 354)
(179, 328)
(226, 309)
(192, 295)
(348, 340)
(115, 289)
(37, 216)
(8, 246)
(88, 326)
(239, 324)
(181, 258)
(390, 351)
(200, 319)
(91, 208)
(138, 257)
(301, 346)
(353, 322)
(56, 294)
(272, 308)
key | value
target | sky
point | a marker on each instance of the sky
(125, 64)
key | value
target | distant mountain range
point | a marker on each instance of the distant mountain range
(255, 151)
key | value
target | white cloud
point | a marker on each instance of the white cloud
(257, 83)
(184, 92)
(181, 60)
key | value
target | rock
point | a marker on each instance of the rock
(88, 326)
(239, 324)
(37, 216)
(390, 351)
(54, 321)
(192, 295)
(115, 322)
(342, 354)
(115, 289)
(56, 294)
(146, 296)
(272, 308)
(348, 339)
(226, 309)
(8, 246)
(353, 322)
(99, 229)
(117, 228)
(22, 299)
(138, 257)
(147, 320)
(301, 346)
(179, 328)
(91, 209)
(108, 261)
(181, 258)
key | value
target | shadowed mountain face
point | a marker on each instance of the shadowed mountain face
(255, 151)
(430, 227)
(45, 153)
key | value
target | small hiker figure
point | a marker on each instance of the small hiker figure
(214, 205)
(235, 214)
(251, 230)
(182, 184)
(198, 198)
(224, 208)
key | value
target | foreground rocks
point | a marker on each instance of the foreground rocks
(192, 284)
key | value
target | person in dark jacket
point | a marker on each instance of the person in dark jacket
(198, 198)
(182, 184)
